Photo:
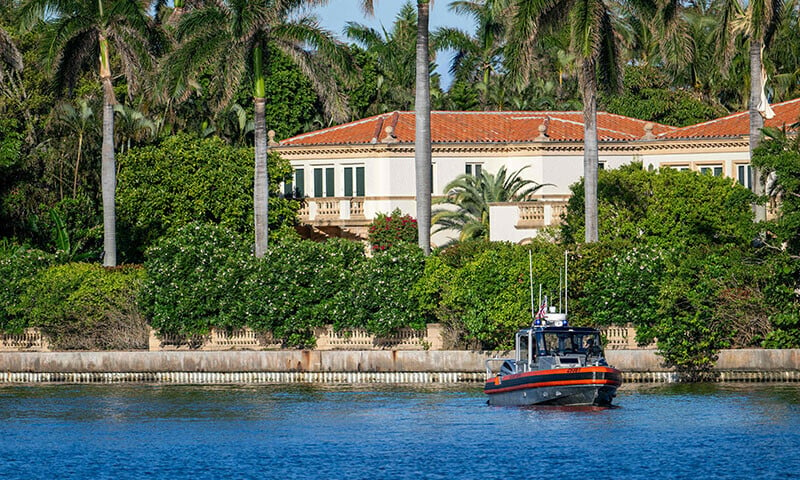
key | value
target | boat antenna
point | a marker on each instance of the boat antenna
(560, 287)
(566, 288)
(530, 276)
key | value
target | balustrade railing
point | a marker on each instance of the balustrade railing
(327, 338)
(622, 337)
(540, 214)
(30, 340)
(332, 208)
(358, 339)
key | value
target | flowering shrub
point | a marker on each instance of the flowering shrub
(294, 288)
(380, 298)
(627, 289)
(184, 180)
(386, 231)
(193, 280)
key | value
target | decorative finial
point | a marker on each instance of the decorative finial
(271, 135)
(542, 132)
(390, 137)
(648, 131)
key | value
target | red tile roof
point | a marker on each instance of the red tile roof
(479, 127)
(738, 124)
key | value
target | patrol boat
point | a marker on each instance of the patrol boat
(555, 364)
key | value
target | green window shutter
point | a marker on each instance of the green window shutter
(360, 192)
(348, 181)
(329, 190)
(317, 182)
(300, 183)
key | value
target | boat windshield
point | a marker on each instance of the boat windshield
(561, 343)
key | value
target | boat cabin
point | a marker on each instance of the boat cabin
(549, 347)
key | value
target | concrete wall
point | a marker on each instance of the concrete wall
(347, 361)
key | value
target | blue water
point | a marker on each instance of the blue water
(193, 432)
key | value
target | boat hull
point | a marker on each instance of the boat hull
(568, 386)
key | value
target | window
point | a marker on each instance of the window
(350, 179)
(715, 170)
(296, 188)
(601, 166)
(473, 169)
(318, 182)
(744, 175)
(323, 182)
(329, 190)
(680, 168)
(299, 183)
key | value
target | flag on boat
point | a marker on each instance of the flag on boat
(542, 311)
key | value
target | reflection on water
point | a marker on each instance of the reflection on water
(656, 431)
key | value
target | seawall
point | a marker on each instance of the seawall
(384, 366)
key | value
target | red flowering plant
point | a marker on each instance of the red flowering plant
(388, 230)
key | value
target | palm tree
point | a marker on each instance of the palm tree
(422, 117)
(758, 20)
(395, 52)
(230, 39)
(79, 121)
(467, 198)
(594, 44)
(131, 126)
(85, 34)
(478, 58)
(785, 53)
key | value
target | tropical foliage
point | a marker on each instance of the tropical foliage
(465, 205)
(677, 254)
(184, 180)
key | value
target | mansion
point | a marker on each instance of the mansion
(350, 173)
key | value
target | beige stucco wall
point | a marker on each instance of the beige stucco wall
(347, 361)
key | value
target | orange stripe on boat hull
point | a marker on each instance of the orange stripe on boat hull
(600, 381)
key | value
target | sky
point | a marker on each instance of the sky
(337, 13)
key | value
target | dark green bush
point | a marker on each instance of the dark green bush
(18, 268)
(489, 298)
(87, 307)
(186, 180)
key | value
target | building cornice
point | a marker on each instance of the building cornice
(658, 146)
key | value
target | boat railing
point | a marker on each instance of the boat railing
(489, 361)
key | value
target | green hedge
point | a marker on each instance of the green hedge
(86, 306)
(18, 269)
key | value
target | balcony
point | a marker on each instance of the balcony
(332, 210)
(540, 214)
(521, 221)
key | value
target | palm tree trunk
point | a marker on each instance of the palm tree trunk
(77, 166)
(590, 154)
(260, 190)
(422, 138)
(756, 121)
(108, 167)
(261, 175)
